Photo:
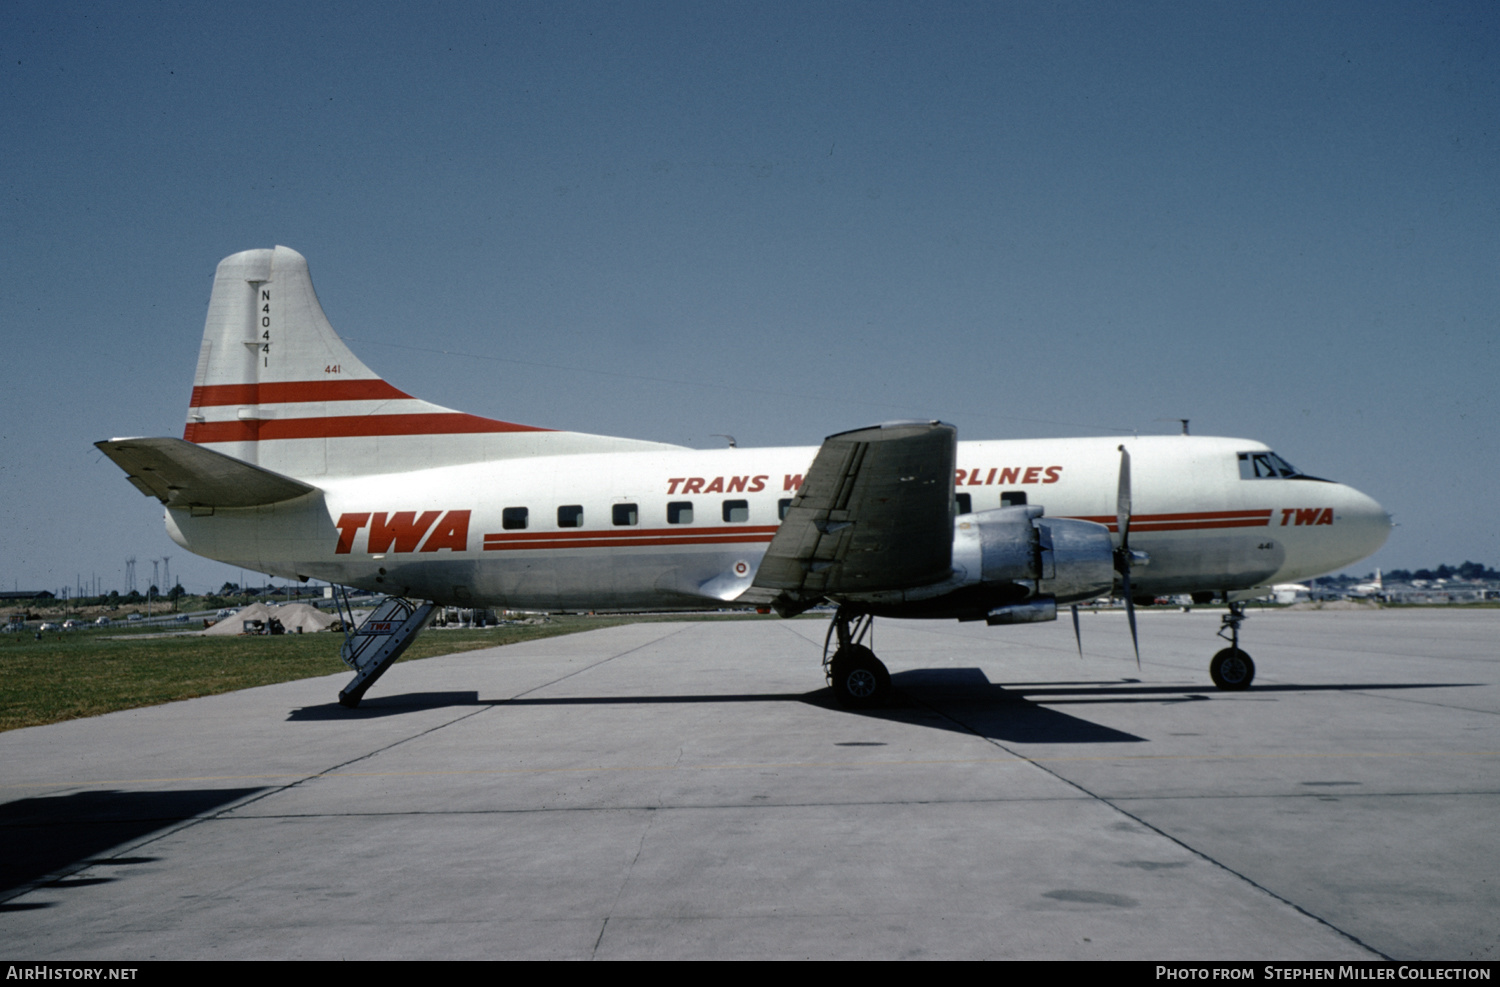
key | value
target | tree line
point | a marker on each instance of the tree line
(1469, 570)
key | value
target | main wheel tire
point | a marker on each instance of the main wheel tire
(859, 679)
(1232, 669)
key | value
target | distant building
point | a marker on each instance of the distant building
(1286, 593)
(27, 594)
(1441, 591)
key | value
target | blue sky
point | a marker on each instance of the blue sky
(772, 220)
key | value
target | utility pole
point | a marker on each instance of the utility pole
(155, 584)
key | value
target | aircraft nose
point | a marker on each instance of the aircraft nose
(1365, 524)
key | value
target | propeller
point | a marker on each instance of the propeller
(1122, 554)
(1077, 634)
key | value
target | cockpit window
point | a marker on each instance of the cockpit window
(1263, 465)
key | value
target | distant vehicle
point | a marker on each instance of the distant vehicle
(12, 628)
(72, 625)
(181, 618)
(103, 622)
(49, 626)
(227, 612)
(135, 616)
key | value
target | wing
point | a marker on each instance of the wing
(181, 474)
(874, 514)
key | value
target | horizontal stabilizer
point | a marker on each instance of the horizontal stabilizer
(181, 474)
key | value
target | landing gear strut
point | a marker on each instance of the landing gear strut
(1231, 668)
(859, 680)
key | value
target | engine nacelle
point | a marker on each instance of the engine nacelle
(1010, 566)
(1057, 559)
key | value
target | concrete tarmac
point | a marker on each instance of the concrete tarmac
(687, 790)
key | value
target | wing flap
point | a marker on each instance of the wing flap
(875, 513)
(181, 474)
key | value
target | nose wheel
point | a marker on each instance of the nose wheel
(1231, 668)
(859, 680)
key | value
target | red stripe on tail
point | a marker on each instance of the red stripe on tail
(453, 423)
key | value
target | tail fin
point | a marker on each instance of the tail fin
(277, 387)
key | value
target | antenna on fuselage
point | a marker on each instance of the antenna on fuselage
(720, 435)
(1184, 422)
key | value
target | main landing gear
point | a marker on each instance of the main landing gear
(859, 680)
(1232, 668)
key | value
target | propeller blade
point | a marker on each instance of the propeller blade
(1130, 614)
(1122, 554)
(1077, 634)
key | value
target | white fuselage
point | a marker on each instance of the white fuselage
(685, 528)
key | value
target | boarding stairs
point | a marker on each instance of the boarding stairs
(375, 645)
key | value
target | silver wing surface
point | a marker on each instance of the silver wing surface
(874, 514)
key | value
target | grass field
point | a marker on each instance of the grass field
(69, 675)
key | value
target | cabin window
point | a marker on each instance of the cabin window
(626, 515)
(570, 516)
(965, 503)
(1013, 498)
(680, 512)
(782, 506)
(513, 518)
(736, 511)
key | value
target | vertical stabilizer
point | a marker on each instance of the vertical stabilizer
(277, 387)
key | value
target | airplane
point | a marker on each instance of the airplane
(1368, 588)
(300, 461)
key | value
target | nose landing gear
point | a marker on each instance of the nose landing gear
(1232, 668)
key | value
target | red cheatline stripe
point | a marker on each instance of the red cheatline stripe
(1184, 516)
(1195, 525)
(214, 395)
(1187, 521)
(627, 534)
(503, 546)
(451, 423)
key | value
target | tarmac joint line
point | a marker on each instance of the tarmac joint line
(1164, 834)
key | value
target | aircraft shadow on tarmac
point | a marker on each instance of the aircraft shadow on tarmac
(58, 834)
(922, 697)
(959, 699)
(916, 694)
(964, 699)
